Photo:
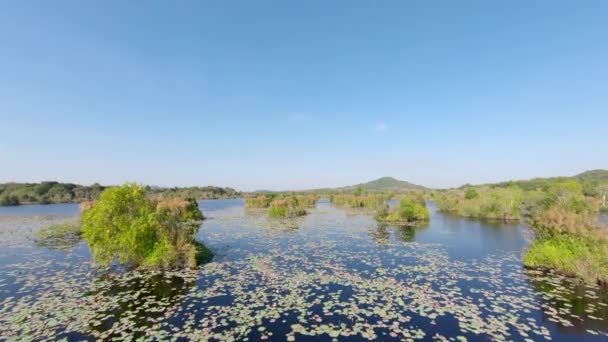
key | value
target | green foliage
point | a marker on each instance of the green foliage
(59, 236)
(359, 191)
(288, 206)
(491, 203)
(7, 199)
(127, 226)
(563, 209)
(54, 192)
(585, 256)
(47, 192)
(259, 201)
(205, 192)
(370, 200)
(471, 193)
(409, 210)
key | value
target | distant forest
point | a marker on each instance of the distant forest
(55, 192)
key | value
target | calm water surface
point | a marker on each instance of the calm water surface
(332, 275)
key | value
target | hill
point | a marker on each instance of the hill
(378, 185)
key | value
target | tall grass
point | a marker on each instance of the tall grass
(286, 207)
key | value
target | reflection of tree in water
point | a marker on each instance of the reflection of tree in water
(140, 298)
(381, 234)
(572, 300)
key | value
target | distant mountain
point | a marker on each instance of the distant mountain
(378, 185)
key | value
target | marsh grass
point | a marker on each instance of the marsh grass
(286, 207)
(259, 201)
(370, 201)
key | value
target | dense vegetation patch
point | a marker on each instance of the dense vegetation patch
(409, 210)
(567, 238)
(46, 192)
(128, 226)
(259, 201)
(360, 200)
(289, 206)
(55, 192)
(484, 202)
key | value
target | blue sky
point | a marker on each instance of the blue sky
(293, 95)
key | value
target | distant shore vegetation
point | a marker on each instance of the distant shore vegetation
(55, 192)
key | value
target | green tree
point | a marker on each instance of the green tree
(125, 225)
(471, 193)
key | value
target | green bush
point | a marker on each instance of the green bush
(585, 256)
(471, 193)
(126, 226)
(409, 210)
(6, 200)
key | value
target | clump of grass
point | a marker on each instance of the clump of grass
(259, 201)
(410, 210)
(308, 200)
(370, 201)
(286, 207)
(59, 236)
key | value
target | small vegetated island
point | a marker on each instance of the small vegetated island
(562, 213)
(129, 225)
(282, 205)
(410, 210)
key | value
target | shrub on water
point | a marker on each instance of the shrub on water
(409, 210)
(259, 201)
(286, 207)
(125, 225)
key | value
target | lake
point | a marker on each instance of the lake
(334, 274)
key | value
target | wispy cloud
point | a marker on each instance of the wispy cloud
(380, 127)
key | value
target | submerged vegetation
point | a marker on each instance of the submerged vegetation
(59, 236)
(128, 226)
